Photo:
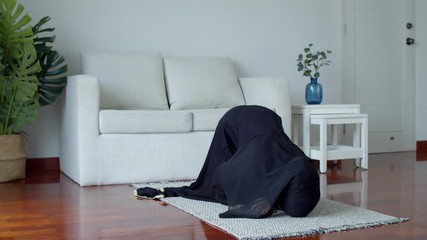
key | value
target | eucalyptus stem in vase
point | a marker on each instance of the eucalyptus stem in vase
(310, 63)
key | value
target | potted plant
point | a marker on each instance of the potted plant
(310, 63)
(31, 75)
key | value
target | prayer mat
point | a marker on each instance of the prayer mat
(328, 216)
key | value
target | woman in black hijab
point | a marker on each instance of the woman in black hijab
(252, 167)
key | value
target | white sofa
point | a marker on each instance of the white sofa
(138, 117)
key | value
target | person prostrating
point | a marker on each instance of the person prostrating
(252, 167)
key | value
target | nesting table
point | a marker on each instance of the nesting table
(324, 115)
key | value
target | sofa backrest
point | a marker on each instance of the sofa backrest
(201, 83)
(133, 80)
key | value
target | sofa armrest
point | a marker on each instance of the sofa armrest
(79, 128)
(273, 93)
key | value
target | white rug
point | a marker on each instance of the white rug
(328, 216)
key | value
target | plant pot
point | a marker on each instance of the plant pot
(12, 157)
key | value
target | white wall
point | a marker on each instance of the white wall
(421, 70)
(262, 37)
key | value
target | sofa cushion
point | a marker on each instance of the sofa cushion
(207, 119)
(202, 82)
(144, 121)
(127, 80)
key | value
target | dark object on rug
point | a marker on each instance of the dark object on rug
(149, 193)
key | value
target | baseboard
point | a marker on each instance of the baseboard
(421, 150)
(37, 165)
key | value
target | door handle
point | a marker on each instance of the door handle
(410, 41)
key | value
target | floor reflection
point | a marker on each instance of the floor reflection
(336, 183)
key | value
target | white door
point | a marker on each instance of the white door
(379, 69)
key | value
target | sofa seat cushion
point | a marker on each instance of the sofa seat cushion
(202, 83)
(128, 80)
(207, 119)
(145, 121)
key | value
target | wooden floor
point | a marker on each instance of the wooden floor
(51, 206)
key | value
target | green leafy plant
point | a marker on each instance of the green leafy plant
(311, 61)
(31, 73)
(18, 69)
(52, 77)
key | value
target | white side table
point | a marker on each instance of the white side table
(305, 111)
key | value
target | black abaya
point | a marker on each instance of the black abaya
(253, 167)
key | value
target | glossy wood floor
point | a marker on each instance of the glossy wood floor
(51, 206)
